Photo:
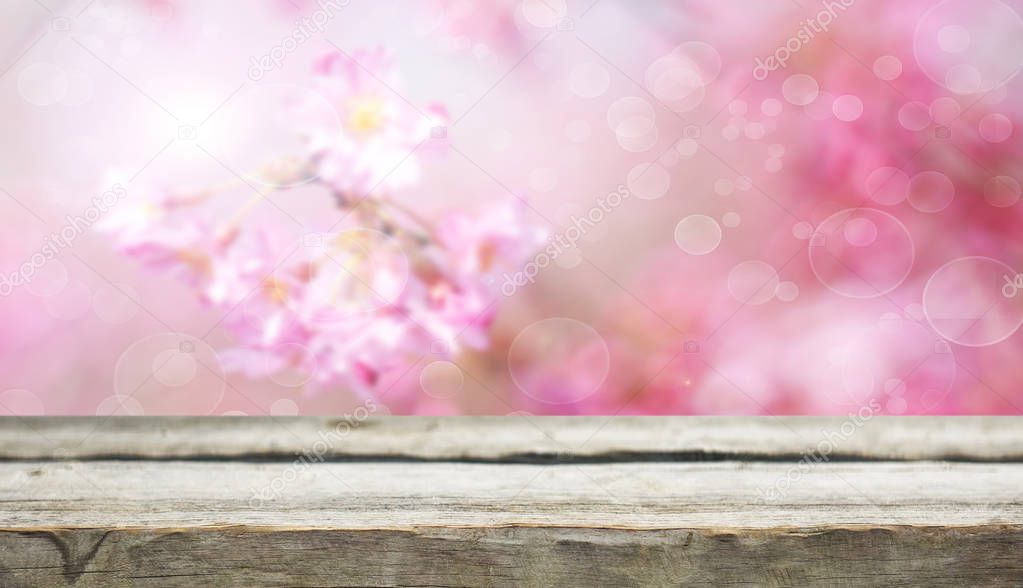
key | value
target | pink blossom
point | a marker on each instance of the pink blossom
(481, 244)
(146, 225)
(371, 137)
(355, 308)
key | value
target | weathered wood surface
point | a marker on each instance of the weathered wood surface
(467, 502)
(511, 438)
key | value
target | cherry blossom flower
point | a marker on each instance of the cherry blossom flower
(355, 308)
(148, 226)
(372, 138)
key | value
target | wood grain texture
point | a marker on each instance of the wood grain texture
(491, 502)
(437, 556)
(106, 494)
(510, 438)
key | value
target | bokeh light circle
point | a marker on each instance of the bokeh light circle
(953, 39)
(861, 253)
(931, 191)
(629, 110)
(771, 107)
(20, 402)
(648, 181)
(995, 128)
(914, 116)
(800, 89)
(753, 282)
(544, 14)
(49, 279)
(687, 148)
(724, 187)
(969, 46)
(887, 67)
(170, 373)
(802, 230)
(442, 379)
(888, 185)
(678, 79)
(847, 108)
(118, 405)
(173, 368)
(698, 234)
(1002, 191)
(974, 301)
(559, 361)
(42, 84)
(284, 407)
(633, 121)
(860, 232)
(787, 291)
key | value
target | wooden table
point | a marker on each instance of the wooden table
(510, 501)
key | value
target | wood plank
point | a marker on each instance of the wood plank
(372, 495)
(517, 556)
(174, 523)
(510, 502)
(511, 438)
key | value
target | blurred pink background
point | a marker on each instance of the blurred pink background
(738, 207)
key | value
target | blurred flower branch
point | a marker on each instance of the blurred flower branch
(354, 306)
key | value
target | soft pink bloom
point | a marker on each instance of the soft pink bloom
(357, 308)
(355, 311)
(495, 239)
(478, 249)
(241, 267)
(370, 137)
(148, 226)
